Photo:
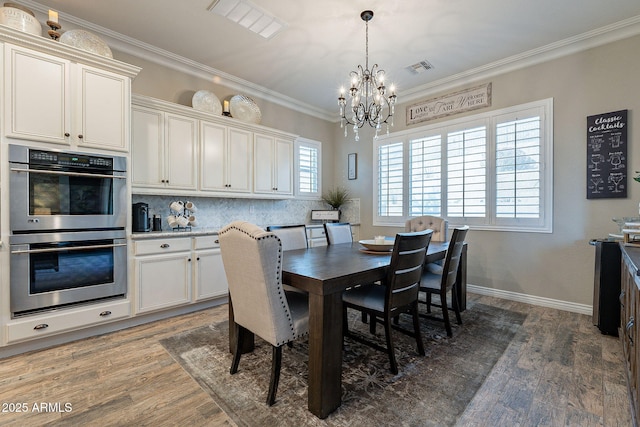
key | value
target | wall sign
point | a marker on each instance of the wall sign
(607, 155)
(454, 103)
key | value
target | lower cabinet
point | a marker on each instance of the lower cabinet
(629, 331)
(174, 271)
(210, 278)
(39, 326)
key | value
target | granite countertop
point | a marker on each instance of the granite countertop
(170, 233)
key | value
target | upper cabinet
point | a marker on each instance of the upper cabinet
(273, 165)
(229, 158)
(164, 150)
(59, 94)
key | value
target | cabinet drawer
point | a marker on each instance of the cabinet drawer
(315, 232)
(44, 325)
(161, 246)
(206, 242)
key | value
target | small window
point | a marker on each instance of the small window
(308, 159)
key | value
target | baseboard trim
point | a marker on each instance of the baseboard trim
(531, 299)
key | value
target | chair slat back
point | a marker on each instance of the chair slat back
(452, 259)
(405, 268)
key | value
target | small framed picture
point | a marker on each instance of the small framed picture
(352, 165)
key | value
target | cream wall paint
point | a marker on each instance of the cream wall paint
(557, 265)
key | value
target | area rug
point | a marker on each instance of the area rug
(428, 391)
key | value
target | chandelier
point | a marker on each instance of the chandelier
(369, 101)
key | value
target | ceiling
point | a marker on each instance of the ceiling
(322, 41)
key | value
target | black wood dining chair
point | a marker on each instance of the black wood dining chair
(441, 283)
(397, 294)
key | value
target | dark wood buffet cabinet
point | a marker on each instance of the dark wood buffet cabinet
(629, 332)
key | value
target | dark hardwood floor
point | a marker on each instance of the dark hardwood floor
(560, 372)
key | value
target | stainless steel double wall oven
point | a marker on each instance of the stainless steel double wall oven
(68, 218)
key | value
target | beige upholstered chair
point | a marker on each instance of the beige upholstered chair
(292, 236)
(398, 293)
(252, 261)
(444, 282)
(428, 222)
(338, 232)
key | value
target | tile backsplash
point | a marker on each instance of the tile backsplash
(213, 213)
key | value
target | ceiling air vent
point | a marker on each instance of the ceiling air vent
(420, 67)
(248, 15)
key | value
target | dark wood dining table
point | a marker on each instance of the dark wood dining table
(325, 272)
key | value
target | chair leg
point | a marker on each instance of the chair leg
(456, 305)
(372, 324)
(428, 302)
(390, 348)
(445, 313)
(236, 350)
(364, 317)
(275, 374)
(416, 329)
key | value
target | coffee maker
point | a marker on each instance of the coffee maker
(141, 217)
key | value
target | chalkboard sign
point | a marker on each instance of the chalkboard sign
(607, 155)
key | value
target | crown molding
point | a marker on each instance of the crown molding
(598, 37)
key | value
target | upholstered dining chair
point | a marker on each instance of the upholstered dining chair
(338, 232)
(440, 227)
(444, 282)
(428, 222)
(252, 261)
(292, 236)
(397, 294)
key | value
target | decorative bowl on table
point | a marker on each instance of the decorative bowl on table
(371, 245)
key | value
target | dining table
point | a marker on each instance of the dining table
(325, 272)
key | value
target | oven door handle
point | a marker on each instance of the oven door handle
(49, 172)
(73, 248)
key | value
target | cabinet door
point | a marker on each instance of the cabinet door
(162, 281)
(37, 97)
(181, 142)
(213, 140)
(102, 109)
(239, 160)
(263, 181)
(147, 147)
(210, 278)
(283, 172)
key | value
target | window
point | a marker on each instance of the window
(308, 159)
(492, 171)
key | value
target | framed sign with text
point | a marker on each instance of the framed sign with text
(607, 155)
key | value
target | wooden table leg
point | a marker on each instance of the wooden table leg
(249, 338)
(325, 353)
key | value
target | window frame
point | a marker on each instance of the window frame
(491, 120)
(313, 144)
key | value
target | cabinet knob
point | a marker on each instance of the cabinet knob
(189, 259)
(40, 326)
(66, 134)
(105, 313)
(198, 259)
(164, 245)
(80, 136)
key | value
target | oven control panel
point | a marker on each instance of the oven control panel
(39, 157)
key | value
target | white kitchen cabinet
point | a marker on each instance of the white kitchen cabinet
(162, 273)
(163, 150)
(52, 99)
(225, 158)
(273, 168)
(210, 280)
(65, 320)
